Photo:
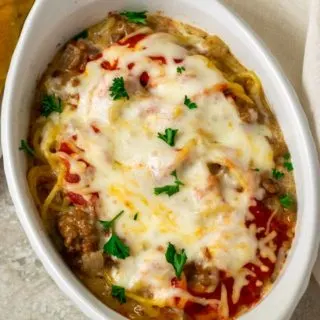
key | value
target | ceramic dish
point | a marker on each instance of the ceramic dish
(41, 37)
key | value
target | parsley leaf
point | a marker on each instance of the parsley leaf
(81, 35)
(115, 247)
(24, 146)
(189, 103)
(135, 17)
(109, 224)
(170, 189)
(136, 216)
(288, 164)
(177, 181)
(257, 169)
(168, 136)
(287, 156)
(277, 174)
(286, 201)
(181, 69)
(50, 103)
(178, 260)
(119, 293)
(118, 90)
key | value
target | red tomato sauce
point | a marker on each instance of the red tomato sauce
(95, 128)
(108, 66)
(176, 60)
(77, 199)
(251, 293)
(144, 78)
(160, 59)
(70, 177)
(132, 41)
(131, 65)
(66, 148)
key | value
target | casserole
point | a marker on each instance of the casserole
(303, 155)
(100, 170)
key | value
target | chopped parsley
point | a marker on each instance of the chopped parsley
(170, 189)
(287, 156)
(286, 201)
(109, 224)
(116, 247)
(81, 35)
(288, 164)
(256, 169)
(119, 293)
(181, 69)
(277, 174)
(138, 17)
(49, 104)
(118, 90)
(24, 146)
(178, 260)
(168, 136)
(136, 216)
(189, 103)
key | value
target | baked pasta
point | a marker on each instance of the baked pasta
(159, 170)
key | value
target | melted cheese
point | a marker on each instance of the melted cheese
(129, 161)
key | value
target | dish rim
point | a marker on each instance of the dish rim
(42, 244)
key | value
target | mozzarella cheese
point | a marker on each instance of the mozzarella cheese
(128, 159)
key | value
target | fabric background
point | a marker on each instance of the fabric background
(27, 292)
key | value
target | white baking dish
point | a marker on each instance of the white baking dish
(49, 25)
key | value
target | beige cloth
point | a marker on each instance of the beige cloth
(282, 25)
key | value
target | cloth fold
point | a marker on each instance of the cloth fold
(311, 85)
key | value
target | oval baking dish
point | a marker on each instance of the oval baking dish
(31, 58)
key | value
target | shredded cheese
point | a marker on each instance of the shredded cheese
(128, 161)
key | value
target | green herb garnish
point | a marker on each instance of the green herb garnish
(119, 293)
(287, 156)
(288, 164)
(168, 136)
(109, 224)
(81, 35)
(118, 90)
(178, 260)
(170, 189)
(181, 69)
(136, 216)
(138, 17)
(24, 146)
(115, 247)
(286, 201)
(277, 174)
(256, 169)
(49, 104)
(189, 103)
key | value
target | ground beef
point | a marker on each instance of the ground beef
(73, 58)
(200, 279)
(79, 232)
(270, 186)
